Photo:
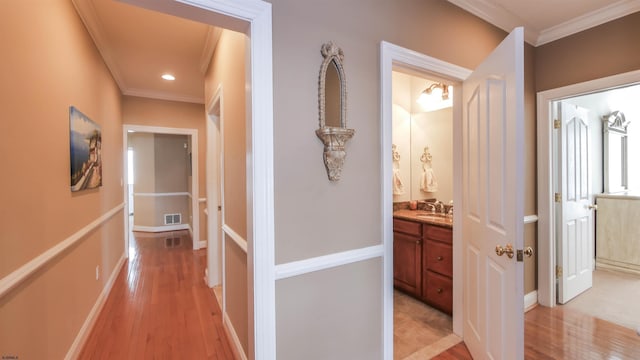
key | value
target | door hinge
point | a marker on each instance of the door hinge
(556, 124)
(558, 197)
(558, 272)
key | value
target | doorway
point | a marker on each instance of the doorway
(606, 296)
(547, 239)
(192, 202)
(254, 19)
(422, 199)
(393, 56)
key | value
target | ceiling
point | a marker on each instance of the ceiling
(548, 20)
(140, 45)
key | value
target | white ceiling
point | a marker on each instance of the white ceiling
(548, 20)
(139, 45)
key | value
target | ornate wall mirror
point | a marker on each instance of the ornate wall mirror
(615, 152)
(332, 96)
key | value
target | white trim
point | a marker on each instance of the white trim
(507, 21)
(202, 200)
(395, 55)
(236, 346)
(89, 322)
(193, 134)
(530, 219)
(162, 95)
(546, 221)
(597, 17)
(202, 245)
(530, 300)
(22, 273)
(306, 266)
(242, 243)
(162, 228)
(162, 194)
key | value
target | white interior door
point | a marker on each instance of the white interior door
(574, 214)
(492, 209)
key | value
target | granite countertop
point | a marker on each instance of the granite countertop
(425, 217)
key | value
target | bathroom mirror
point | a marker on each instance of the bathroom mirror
(615, 152)
(332, 95)
(333, 98)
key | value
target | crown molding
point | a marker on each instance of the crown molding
(160, 95)
(597, 17)
(507, 21)
(210, 43)
(498, 16)
(89, 17)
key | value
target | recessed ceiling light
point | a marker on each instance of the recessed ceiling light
(168, 77)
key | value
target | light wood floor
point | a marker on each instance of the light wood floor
(160, 307)
(562, 333)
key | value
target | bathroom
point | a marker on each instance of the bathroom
(422, 136)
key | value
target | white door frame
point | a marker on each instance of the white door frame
(253, 18)
(393, 55)
(193, 136)
(546, 218)
(215, 194)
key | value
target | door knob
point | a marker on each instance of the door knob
(528, 251)
(508, 249)
(593, 207)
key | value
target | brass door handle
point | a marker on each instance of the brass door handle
(528, 251)
(593, 207)
(508, 249)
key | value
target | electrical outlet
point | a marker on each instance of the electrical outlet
(97, 272)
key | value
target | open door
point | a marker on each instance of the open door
(574, 235)
(493, 198)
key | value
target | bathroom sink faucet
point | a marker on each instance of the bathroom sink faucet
(431, 206)
(439, 204)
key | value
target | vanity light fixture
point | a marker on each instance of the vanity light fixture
(168, 77)
(436, 96)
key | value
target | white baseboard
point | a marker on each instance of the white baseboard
(530, 300)
(236, 346)
(85, 330)
(161, 228)
(202, 244)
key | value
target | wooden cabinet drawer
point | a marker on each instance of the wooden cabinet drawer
(438, 291)
(438, 257)
(407, 227)
(437, 233)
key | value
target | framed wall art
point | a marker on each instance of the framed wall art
(85, 150)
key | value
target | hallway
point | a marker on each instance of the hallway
(160, 306)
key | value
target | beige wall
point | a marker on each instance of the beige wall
(173, 114)
(50, 63)
(609, 49)
(227, 70)
(161, 166)
(316, 217)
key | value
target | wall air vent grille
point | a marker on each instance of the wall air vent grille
(171, 219)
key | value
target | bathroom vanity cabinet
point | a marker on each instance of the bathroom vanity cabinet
(423, 261)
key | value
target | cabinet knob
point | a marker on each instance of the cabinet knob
(439, 290)
(439, 258)
(418, 242)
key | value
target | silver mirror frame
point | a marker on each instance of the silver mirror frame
(333, 138)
